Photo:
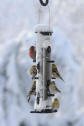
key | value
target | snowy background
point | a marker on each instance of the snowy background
(17, 21)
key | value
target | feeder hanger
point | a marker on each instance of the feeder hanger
(44, 3)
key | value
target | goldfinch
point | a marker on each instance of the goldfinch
(55, 72)
(33, 71)
(32, 52)
(53, 89)
(32, 91)
(55, 105)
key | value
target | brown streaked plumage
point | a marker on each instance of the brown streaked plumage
(33, 71)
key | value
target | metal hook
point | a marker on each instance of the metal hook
(44, 3)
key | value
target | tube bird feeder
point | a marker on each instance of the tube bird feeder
(43, 98)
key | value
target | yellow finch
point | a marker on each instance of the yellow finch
(53, 88)
(33, 71)
(55, 72)
(55, 105)
(32, 91)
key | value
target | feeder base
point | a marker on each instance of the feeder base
(44, 111)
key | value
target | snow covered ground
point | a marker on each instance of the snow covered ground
(17, 20)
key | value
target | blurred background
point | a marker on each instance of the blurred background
(17, 21)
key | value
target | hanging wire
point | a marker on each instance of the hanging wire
(49, 17)
(43, 4)
(49, 21)
(39, 13)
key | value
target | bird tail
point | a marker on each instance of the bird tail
(61, 78)
(58, 90)
(28, 98)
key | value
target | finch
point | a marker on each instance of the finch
(53, 88)
(32, 91)
(55, 105)
(55, 72)
(33, 71)
(32, 52)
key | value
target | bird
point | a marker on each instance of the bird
(33, 71)
(53, 89)
(55, 72)
(32, 91)
(55, 104)
(32, 53)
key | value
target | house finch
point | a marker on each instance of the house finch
(32, 52)
(55, 72)
(33, 71)
(55, 105)
(32, 91)
(53, 89)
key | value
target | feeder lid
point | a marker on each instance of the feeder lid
(40, 28)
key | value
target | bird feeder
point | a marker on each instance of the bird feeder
(43, 98)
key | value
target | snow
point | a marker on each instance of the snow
(43, 28)
(67, 21)
(17, 63)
